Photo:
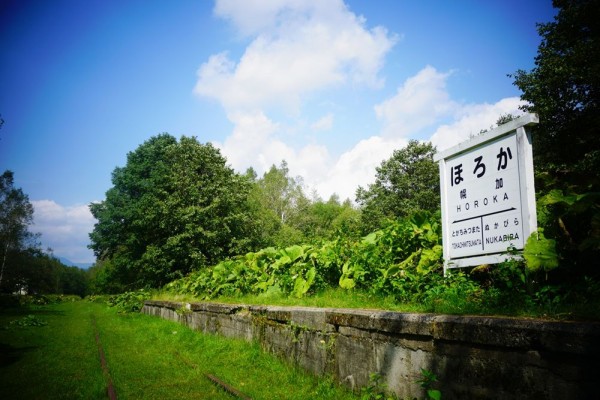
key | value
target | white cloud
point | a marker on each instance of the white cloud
(419, 103)
(64, 228)
(296, 48)
(246, 145)
(254, 143)
(314, 164)
(471, 119)
(324, 123)
(299, 47)
(422, 102)
(357, 167)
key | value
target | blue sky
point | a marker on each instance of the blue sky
(332, 87)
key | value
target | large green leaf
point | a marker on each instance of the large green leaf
(301, 285)
(371, 238)
(294, 252)
(283, 260)
(391, 271)
(556, 196)
(540, 252)
(347, 283)
(430, 259)
(434, 394)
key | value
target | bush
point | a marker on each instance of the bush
(45, 299)
(403, 262)
(129, 302)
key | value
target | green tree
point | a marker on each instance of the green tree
(16, 214)
(326, 220)
(103, 278)
(564, 90)
(73, 280)
(175, 207)
(405, 183)
(284, 215)
(40, 273)
(278, 202)
(283, 194)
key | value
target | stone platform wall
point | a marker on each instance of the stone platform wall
(474, 357)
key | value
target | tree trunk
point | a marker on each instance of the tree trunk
(3, 262)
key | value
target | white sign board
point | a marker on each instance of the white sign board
(488, 196)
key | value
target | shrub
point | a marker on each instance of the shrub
(129, 302)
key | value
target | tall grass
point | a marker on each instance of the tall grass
(147, 357)
(327, 298)
(55, 360)
(452, 300)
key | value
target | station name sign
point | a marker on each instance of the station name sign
(488, 195)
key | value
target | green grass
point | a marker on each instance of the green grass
(446, 304)
(329, 298)
(59, 359)
(148, 358)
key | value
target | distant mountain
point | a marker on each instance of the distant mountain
(70, 263)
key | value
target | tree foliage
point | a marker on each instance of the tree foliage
(405, 183)
(24, 268)
(42, 273)
(16, 214)
(282, 194)
(176, 206)
(276, 200)
(285, 216)
(326, 220)
(104, 278)
(564, 90)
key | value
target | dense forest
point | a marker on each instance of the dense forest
(178, 215)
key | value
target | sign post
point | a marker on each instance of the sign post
(488, 195)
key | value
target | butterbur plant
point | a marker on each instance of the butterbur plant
(29, 320)
(397, 260)
(540, 252)
(129, 302)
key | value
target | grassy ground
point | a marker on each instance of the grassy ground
(147, 357)
(329, 298)
(458, 304)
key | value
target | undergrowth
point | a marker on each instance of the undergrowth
(147, 358)
(396, 268)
